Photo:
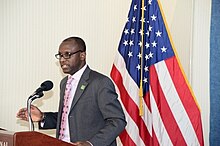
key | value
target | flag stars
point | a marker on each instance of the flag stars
(127, 19)
(153, 17)
(126, 31)
(142, 20)
(154, 44)
(149, 2)
(158, 33)
(144, 8)
(134, 19)
(163, 49)
(135, 7)
(145, 80)
(139, 55)
(150, 28)
(148, 33)
(146, 68)
(131, 43)
(130, 54)
(147, 45)
(138, 67)
(140, 43)
(150, 55)
(141, 32)
(132, 31)
(125, 42)
(146, 57)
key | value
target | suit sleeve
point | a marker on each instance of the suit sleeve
(50, 121)
(112, 112)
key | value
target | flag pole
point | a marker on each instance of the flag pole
(141, 108)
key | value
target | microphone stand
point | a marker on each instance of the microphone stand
(29, 101)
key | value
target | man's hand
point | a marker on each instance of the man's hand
(36, 114)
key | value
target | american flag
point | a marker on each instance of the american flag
(146, 63)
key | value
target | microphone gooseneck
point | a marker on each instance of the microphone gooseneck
(45, 86)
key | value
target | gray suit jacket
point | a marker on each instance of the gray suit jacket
(95, 115)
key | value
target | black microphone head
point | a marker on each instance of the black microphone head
(46, 85)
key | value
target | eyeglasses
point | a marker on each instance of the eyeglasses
(66, 55)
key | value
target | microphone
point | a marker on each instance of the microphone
(45, 86)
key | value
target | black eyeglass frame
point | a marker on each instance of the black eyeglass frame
(67, 55)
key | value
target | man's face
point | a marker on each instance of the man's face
(75, 62)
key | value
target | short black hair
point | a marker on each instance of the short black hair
(79, 41)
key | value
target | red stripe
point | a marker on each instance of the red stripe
(154, 141)
(165, 111)
(186, 97)
(147, 100)
(154, 137)
(130, 106)
(126, 139)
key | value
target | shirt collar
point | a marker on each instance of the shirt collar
(77, 75)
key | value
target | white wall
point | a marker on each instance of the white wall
(30, 32)
(200, 60)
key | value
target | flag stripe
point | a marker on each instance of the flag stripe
(147, 101)
(132, 109)
(131, 128)
(132, 89)
(175, 103)
(165, 111)
(189, 101)
(126, 139)
(155, 140)
(160, 131)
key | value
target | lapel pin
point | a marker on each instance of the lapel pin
(82, 87)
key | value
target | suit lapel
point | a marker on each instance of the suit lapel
(81, 87)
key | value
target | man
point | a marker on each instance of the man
(89, 112)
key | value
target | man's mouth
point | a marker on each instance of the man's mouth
(64, 66)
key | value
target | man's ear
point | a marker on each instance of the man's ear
(83, 55)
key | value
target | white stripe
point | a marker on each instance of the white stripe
(159, 128)
(133, 90)
(176, 105)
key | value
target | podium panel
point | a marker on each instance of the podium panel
(30, 138)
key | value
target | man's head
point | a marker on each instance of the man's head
(72, 55)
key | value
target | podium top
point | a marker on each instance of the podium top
(29, 138)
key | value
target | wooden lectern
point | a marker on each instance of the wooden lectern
(30, 138)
